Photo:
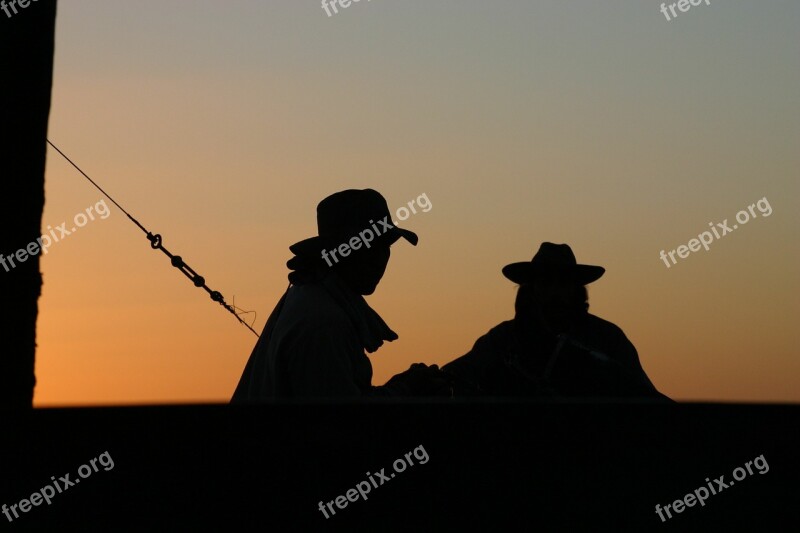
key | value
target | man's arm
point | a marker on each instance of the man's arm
(468, 371)
(472, 367)
(419, 380)
(320, 364)
(629, 357)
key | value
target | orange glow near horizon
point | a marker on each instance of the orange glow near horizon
(607, 128)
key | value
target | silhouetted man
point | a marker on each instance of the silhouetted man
(554, 346)
(313, 343)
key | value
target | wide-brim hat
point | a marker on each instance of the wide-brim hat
(352, 213)
(553, 261)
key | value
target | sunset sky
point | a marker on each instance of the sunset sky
(602, 125)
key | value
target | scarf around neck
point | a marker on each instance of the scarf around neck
(371, 329)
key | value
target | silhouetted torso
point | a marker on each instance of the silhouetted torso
(313, 346)
(595, 360)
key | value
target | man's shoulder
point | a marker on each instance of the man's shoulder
(311, 304)
(500, 337)
(600, 324)
(503, 329)
(602, 331)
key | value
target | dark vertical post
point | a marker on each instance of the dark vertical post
(26, 69)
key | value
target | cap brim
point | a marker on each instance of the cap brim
(408, 235)
(526, 272)
(315, 245)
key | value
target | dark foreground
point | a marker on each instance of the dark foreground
(489, 467)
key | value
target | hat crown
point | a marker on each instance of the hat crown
(352, 213)
(551, 254)
(350, 210)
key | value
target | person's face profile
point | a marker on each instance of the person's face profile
(363, 270)
(555, 297)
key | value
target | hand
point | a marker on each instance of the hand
(423, 380)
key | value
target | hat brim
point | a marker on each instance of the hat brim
(315, 245)
(526, 272)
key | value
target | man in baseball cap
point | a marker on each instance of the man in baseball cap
(314, 341)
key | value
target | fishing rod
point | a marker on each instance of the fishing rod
(156, 243)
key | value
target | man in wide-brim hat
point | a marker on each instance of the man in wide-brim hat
(313, 343)
(554, 346)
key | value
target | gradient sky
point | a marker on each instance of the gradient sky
(221, 125)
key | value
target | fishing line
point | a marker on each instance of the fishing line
(156, 243)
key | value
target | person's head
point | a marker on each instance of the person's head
(555, 301)
(364, 268)
(355, 231)
(552, 286)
